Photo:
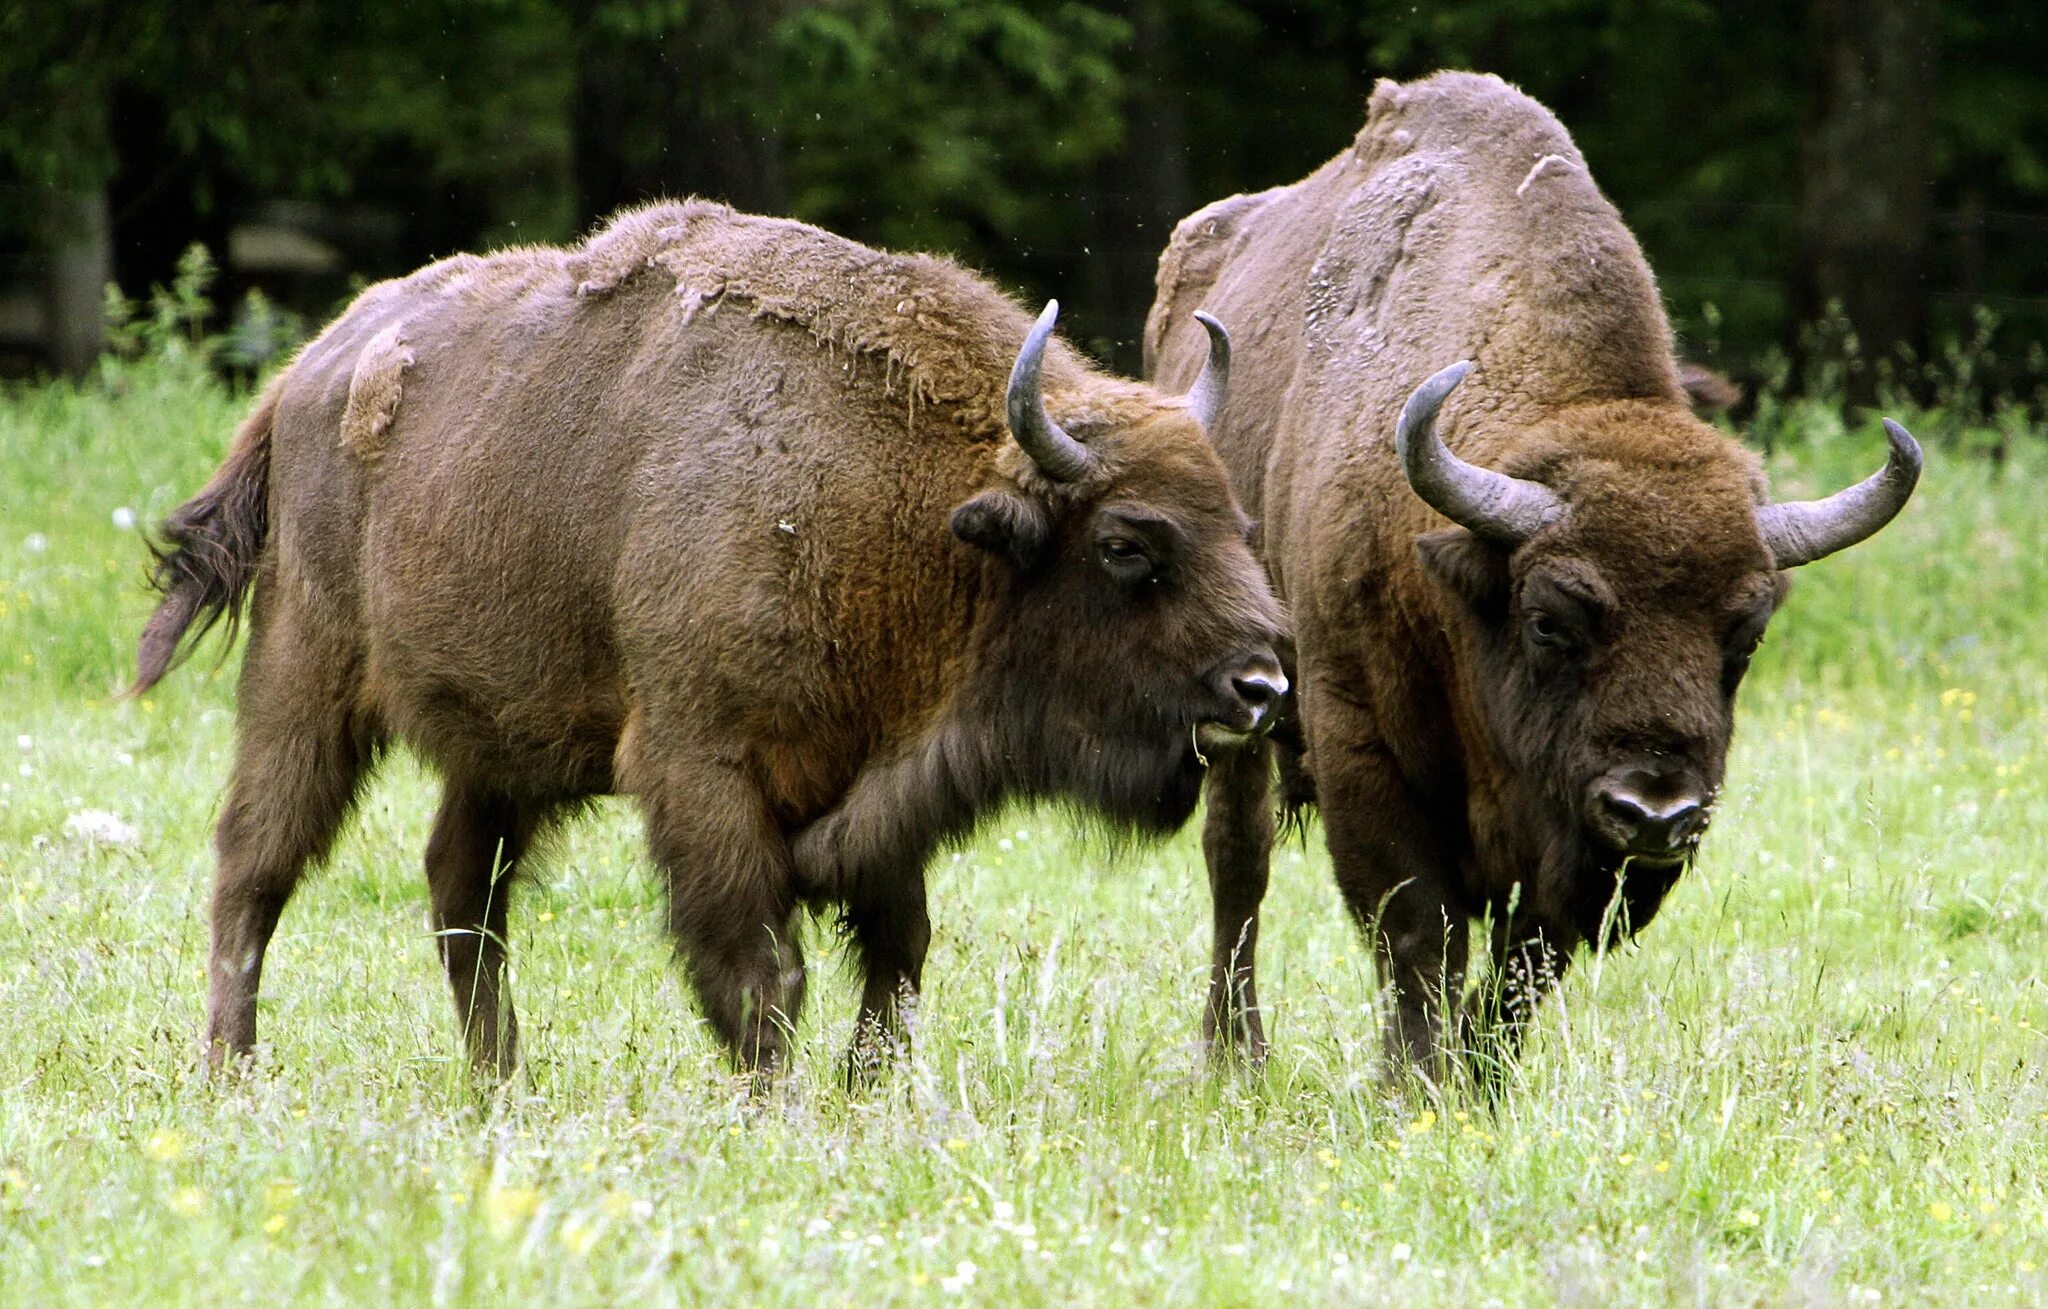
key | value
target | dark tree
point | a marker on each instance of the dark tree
(672, 103)
(1866, 199)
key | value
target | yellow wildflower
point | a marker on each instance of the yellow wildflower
(188, 1201)
(274, 1224)
(165, 1146)
(578, 1235)
(508, 1206)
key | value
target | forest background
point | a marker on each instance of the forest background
(1850, 194)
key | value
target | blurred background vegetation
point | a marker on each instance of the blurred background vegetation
(1842, 195)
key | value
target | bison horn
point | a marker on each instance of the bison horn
(1500, 508)
(1801, 531)
(1205, 397)
(1057, 455)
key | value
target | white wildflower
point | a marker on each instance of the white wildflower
(35, 543)
(962, 1278)
(102, 827)
(124, 518)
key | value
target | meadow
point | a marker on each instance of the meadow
(1817, 1078)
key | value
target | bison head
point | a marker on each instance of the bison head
(1133, 628)
(1610, 597)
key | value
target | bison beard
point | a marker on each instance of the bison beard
(1518, 642)
(725, 514)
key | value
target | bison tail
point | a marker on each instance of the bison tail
(208, 550)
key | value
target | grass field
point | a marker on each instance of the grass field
(1819, 1078)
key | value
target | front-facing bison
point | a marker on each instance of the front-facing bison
(1526, 579)
(819, 553)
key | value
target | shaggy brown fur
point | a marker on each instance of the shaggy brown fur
(1461, 702)
(716, 511)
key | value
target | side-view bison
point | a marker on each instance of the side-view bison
(748, 522)
(1522, 607)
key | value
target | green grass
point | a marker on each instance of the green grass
(1819, 1077)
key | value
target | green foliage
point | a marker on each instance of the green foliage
(946, 124)
(176, 332)
(1010, 132)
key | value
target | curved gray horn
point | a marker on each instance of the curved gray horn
(1057, 455)
(1801, 531)
(1205, 397)
(1489, 504)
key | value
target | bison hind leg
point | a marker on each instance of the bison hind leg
(479, 841)
(300, 757)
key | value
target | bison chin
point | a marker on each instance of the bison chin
(1614, 896)
(1138, 786)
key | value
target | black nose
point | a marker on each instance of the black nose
(1648, 826)
(1260, 690)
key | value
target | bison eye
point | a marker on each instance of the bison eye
(1546, 631)
(1125, 559)
(1737, 664)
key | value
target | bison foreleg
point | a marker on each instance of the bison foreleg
(868, 854)
(1237, 844)
(732, 908)
(1528, 963)
(890, 929)
(1397, 874)
(1421, 943)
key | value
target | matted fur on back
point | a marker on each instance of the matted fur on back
(945, 336)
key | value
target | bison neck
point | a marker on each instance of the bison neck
(990, 750)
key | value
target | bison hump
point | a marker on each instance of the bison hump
(943, 335)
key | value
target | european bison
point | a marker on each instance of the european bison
(1517, 662)
(720, 512)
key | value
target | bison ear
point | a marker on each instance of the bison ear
(1475, 571)
(1004, 523)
